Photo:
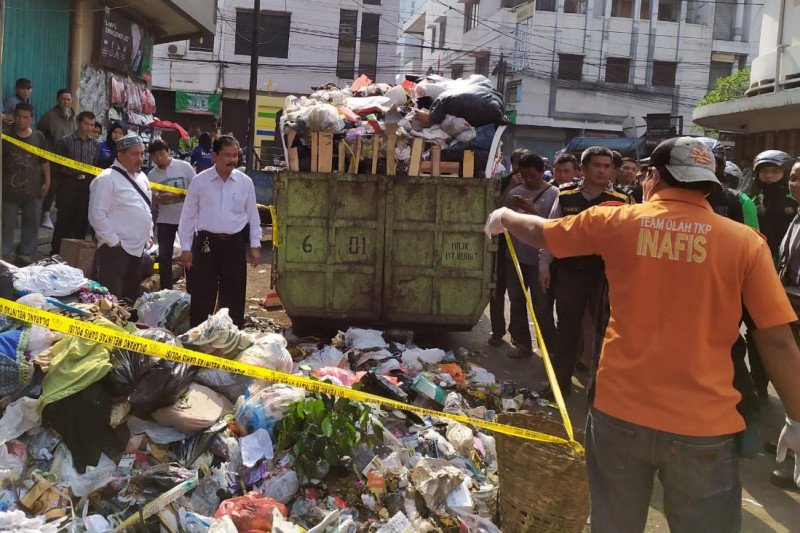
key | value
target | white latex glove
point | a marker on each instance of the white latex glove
(790, 440)
(494, 224)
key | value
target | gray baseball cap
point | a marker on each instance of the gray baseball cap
(128, 141)
(688, 159)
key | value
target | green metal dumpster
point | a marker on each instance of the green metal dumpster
(384, 251)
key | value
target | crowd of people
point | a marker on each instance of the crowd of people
(660, 289)
(216, 223)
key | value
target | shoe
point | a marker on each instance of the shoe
(521, 352)
(23, 260)
(547, 394)
(782, 477)
(495, 340)
(46, 221)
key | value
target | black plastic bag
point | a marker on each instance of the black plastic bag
(149, 382)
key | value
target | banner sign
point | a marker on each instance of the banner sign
(125, 45)
(198, 103)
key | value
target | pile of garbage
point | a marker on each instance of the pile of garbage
(101, 439)
(456, 114)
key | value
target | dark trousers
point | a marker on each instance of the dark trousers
(497, 305)
(119, 271)
(73, 211)
(575, 290)
(759, 375)
(47, 201)
(218, 275)
(519, 325)
(166, 240)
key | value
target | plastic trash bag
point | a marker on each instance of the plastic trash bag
(251, 512)
(364, 339)
(267, 407)
(415, 357)
(474, 99)
(165, 309)
(149, 382)
(50, 280)
(19, 417)
(195, 410)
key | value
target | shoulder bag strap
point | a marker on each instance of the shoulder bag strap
(135, 186)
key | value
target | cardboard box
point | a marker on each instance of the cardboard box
(80, 254)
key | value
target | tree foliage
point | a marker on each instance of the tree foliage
(728, 88)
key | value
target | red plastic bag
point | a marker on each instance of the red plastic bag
(251, 512)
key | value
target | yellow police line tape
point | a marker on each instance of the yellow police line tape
(128, 341)
(548, 365)
(94, 171)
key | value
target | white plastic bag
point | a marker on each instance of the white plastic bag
(50, 280)
(154, 307)
(19, 417)
(415, 357)
(364, 339)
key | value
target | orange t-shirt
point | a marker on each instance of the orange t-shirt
(678, 274)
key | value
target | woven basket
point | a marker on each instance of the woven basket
(543, 486)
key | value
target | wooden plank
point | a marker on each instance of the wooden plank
(446, 168)
(416, 157)
(342, 155)
(325, 154)
(376, 151)
(354, 162)
(469, 163)
(314, 151)
(391, 144)
(436, 160)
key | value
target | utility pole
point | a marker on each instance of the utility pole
(2, 31)
(251, 107)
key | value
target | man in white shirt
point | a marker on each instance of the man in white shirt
(175, 173)
(218, 223)
(119, 211)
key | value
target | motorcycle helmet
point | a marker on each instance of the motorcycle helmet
(733, 173)
(717, 148)
(773, 157)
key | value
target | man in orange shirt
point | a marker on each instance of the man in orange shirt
(665, 404)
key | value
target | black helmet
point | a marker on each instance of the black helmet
(717, 148)
(773, 157)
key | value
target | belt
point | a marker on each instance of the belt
(218, 236)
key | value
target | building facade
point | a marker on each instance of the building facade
(303, 44)
(765, 119)
(581, 67)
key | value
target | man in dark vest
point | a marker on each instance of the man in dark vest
(579, 282)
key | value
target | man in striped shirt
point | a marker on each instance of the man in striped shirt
(72, 197)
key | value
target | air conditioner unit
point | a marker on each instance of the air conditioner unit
(176, 50)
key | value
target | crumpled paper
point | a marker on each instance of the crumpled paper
(434, 479)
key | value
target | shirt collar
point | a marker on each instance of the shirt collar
(233, 175)
(681, 195)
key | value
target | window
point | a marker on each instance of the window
(570, 67)
(697, 11)
(644, 10)
(513, 92)
(545, 5)
(482, 64)
(724, 21)
(664, 73)
(456, 71)
(273, 33)
(622, 8)
(202, 43)
(346, 54)
(470, 16)
(717, 70)
(368, 55)
(669, 10)
(512, 3)
(433, 38)
(575, 6)
(618, 70)
(372, 2)
(442, 31)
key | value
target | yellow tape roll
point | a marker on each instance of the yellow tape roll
(128, 341)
